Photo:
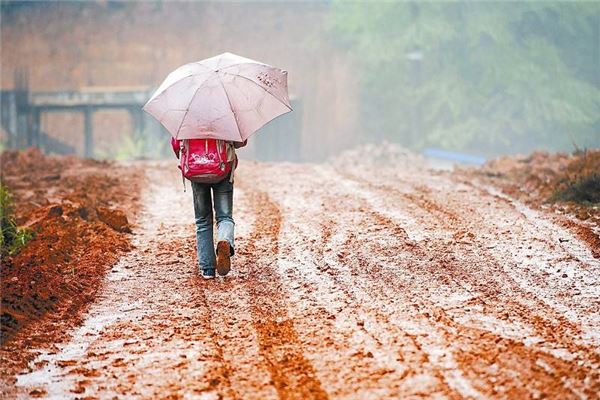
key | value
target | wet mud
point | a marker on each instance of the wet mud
(77, 213)
(407, 283)
(540, 181)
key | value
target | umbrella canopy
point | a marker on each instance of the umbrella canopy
(224, 97)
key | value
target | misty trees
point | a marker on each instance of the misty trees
(488, 77)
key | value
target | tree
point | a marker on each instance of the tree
(479, 76)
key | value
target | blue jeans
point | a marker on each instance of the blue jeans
(203, 211)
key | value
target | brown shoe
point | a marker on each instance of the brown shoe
(223, 257)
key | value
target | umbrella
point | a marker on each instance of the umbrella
(225, 97)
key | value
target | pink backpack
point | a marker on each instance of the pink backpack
(202, 160)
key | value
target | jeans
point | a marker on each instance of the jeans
(203, 211)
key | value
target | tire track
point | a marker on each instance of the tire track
(441, 315)
(231, 318)
(365, 275)
(491, 284)
(410, 349)
(552, 325)
(365, 266)
(292, 374)
(384, 360)
(148, 334)
(475, 343)
(331, 295)
(417, 373)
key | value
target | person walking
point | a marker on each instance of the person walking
(211, 107)
(217, 196)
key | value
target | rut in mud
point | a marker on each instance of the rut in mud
(344, 285)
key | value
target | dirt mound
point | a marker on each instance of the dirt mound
(378, 155)
(553, 181)
(541, 175)
(77, 210)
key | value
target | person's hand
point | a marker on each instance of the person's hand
(176, 145)
(237, 145)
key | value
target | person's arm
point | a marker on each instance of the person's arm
(237, 145)
(176, 146)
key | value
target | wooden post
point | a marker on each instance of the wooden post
(11, 115)
(22, 129)
(88, 149)
(137, 118)
(23, 132)
(35, 128)
(135, 122)
(141, 122)
(30, 133)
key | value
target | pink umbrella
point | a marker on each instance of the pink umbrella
(224, 97)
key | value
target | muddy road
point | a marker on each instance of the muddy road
(400, 284)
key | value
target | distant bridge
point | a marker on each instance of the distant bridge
(21, 112)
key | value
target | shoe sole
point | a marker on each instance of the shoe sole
(223, 258)
(207, 277)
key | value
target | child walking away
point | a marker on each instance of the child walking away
(210, 164)
(211, 107)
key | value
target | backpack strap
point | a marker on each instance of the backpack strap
(233, 163)
(186, 149)
(220, 144)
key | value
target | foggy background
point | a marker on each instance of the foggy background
(482, 78)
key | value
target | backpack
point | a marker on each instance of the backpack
(202, 160)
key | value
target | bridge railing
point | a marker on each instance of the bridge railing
(21, 110)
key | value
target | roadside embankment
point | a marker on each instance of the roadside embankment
(568, 185)
(78, 212)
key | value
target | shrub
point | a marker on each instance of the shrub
(584, 190)
(13, 237)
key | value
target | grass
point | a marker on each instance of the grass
(13, 238)
(584, 190)
(137, 147)
(581, 181)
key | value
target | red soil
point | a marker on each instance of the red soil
(535, 180)
(349, 281)
(77, 210)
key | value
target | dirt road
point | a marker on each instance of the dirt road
(406, 284)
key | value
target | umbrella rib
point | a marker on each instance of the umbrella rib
(237, 123)
(202, 65)
(187, 110)
(243, 63)
(262, 87)
(155, 94)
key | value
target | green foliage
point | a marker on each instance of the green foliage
(138, 147)
(498, 76)
(13, 238)
(585, 190)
